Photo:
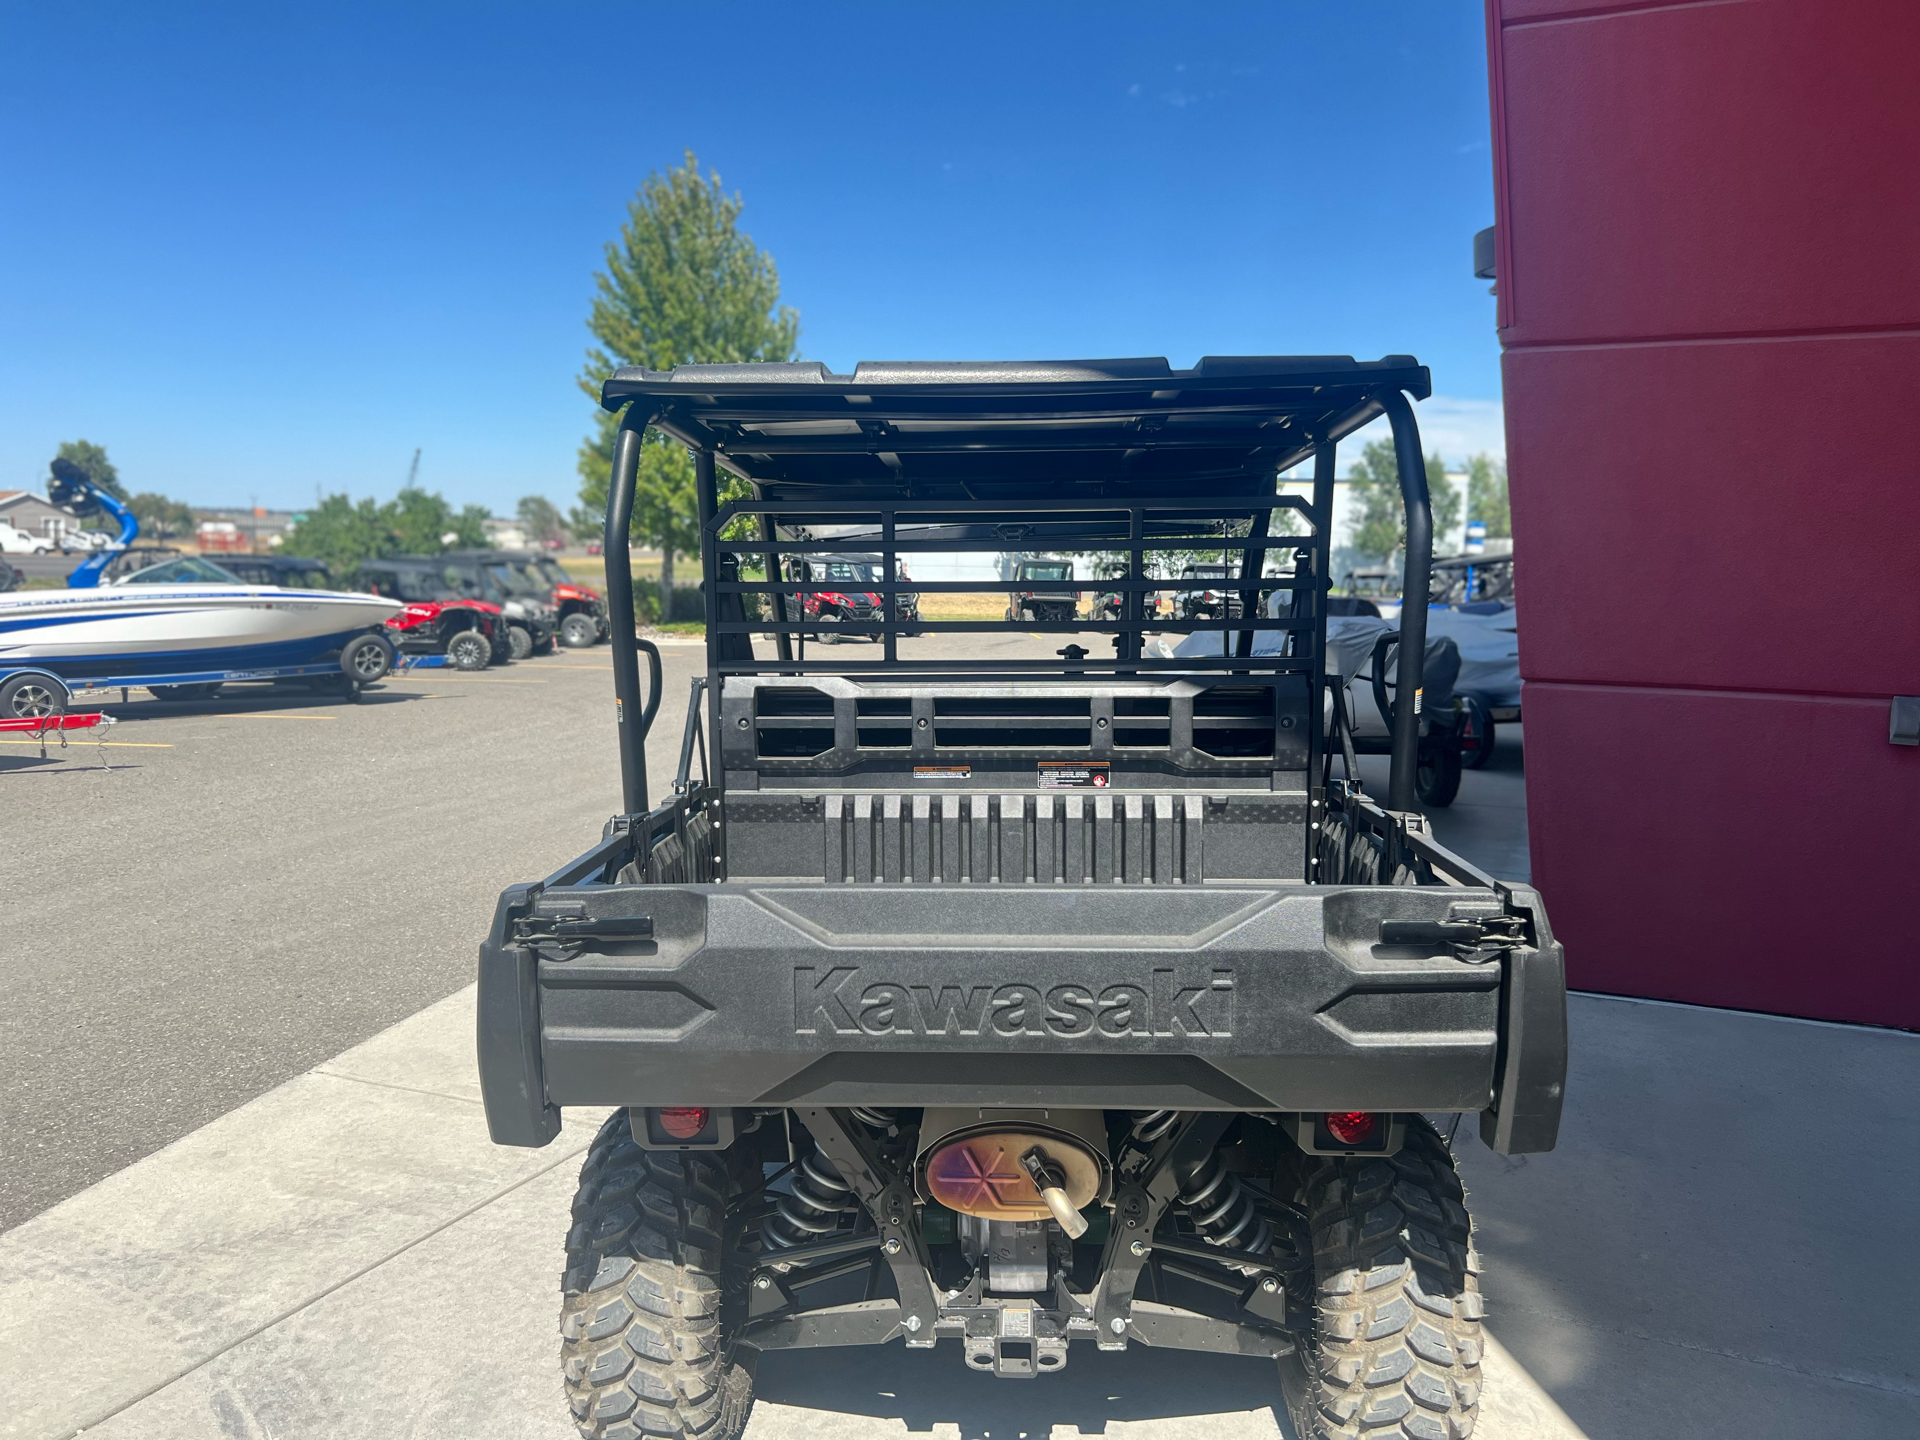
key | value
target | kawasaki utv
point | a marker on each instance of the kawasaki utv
(1018, 998)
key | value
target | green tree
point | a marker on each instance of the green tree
(423, 523)
(160, 517)
(1487, 495)
(682, 285)
(1377, 525)
(92, 458)
(540, 518)
(343, 532)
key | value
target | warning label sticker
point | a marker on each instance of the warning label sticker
(942, 772)
(1073, 774)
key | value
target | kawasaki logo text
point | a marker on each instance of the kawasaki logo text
(840, 1001)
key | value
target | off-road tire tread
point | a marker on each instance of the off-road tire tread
(642, 1349)
(1397, 1302)
(455, 640)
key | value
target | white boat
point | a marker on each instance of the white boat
(191, 633)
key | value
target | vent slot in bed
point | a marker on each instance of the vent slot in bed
(1234, 721)
(788, 722)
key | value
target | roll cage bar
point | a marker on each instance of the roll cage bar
(1126, 454)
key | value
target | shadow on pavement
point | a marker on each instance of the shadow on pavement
(60, 762)
(241, 700)
(924, 1389)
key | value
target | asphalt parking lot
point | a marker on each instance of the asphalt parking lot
(226, 894)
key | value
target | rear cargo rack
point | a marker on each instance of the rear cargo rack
(1123, 458)
(961, 528)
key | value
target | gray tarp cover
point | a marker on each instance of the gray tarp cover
(1487, 650)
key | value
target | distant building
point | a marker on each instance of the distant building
(507, 534)
(240, 528)
(36, 514)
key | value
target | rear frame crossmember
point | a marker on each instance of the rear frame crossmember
(921, 1312)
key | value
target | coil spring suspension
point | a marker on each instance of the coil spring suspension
(1222, 1211)
(1150, 1125)
(879, 1119)
(1212, 1196)
(819, 1198)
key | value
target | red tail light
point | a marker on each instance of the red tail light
(685, 1122)
(1352, 1127)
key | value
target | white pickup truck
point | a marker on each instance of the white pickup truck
(15, 541)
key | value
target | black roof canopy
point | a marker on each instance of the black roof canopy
(982, 430)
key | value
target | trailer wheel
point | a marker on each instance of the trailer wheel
(32, 697)
(469, 650)
(578, 631)
(642, 1346)
(366, 660)
(1437, 779)
(1395, 1349)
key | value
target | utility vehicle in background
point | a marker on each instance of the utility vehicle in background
(1481, 584)
(1378, 585)
(1112, 604)
(836, 598)
(524, 596)
(439, 618)
(1209, 596)
(1030, 999)
(286, 571)
(583, 614)
(1045, 591)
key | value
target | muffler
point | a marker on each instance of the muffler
(1015, 1165)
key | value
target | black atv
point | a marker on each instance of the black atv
(1029, 999)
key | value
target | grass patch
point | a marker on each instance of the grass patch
(593, 569)
(963, 607)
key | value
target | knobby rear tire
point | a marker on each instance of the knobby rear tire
(1396, 1345)
(642, 1347)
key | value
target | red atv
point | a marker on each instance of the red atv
(472, 634)
(465, 631)
(583, 614)
(836, 606)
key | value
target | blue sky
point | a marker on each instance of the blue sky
(256, 250)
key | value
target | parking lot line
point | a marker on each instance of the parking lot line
(489, 680)
(238, 715)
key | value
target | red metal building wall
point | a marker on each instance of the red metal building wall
(1708, 257)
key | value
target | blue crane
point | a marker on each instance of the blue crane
(73, 491)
